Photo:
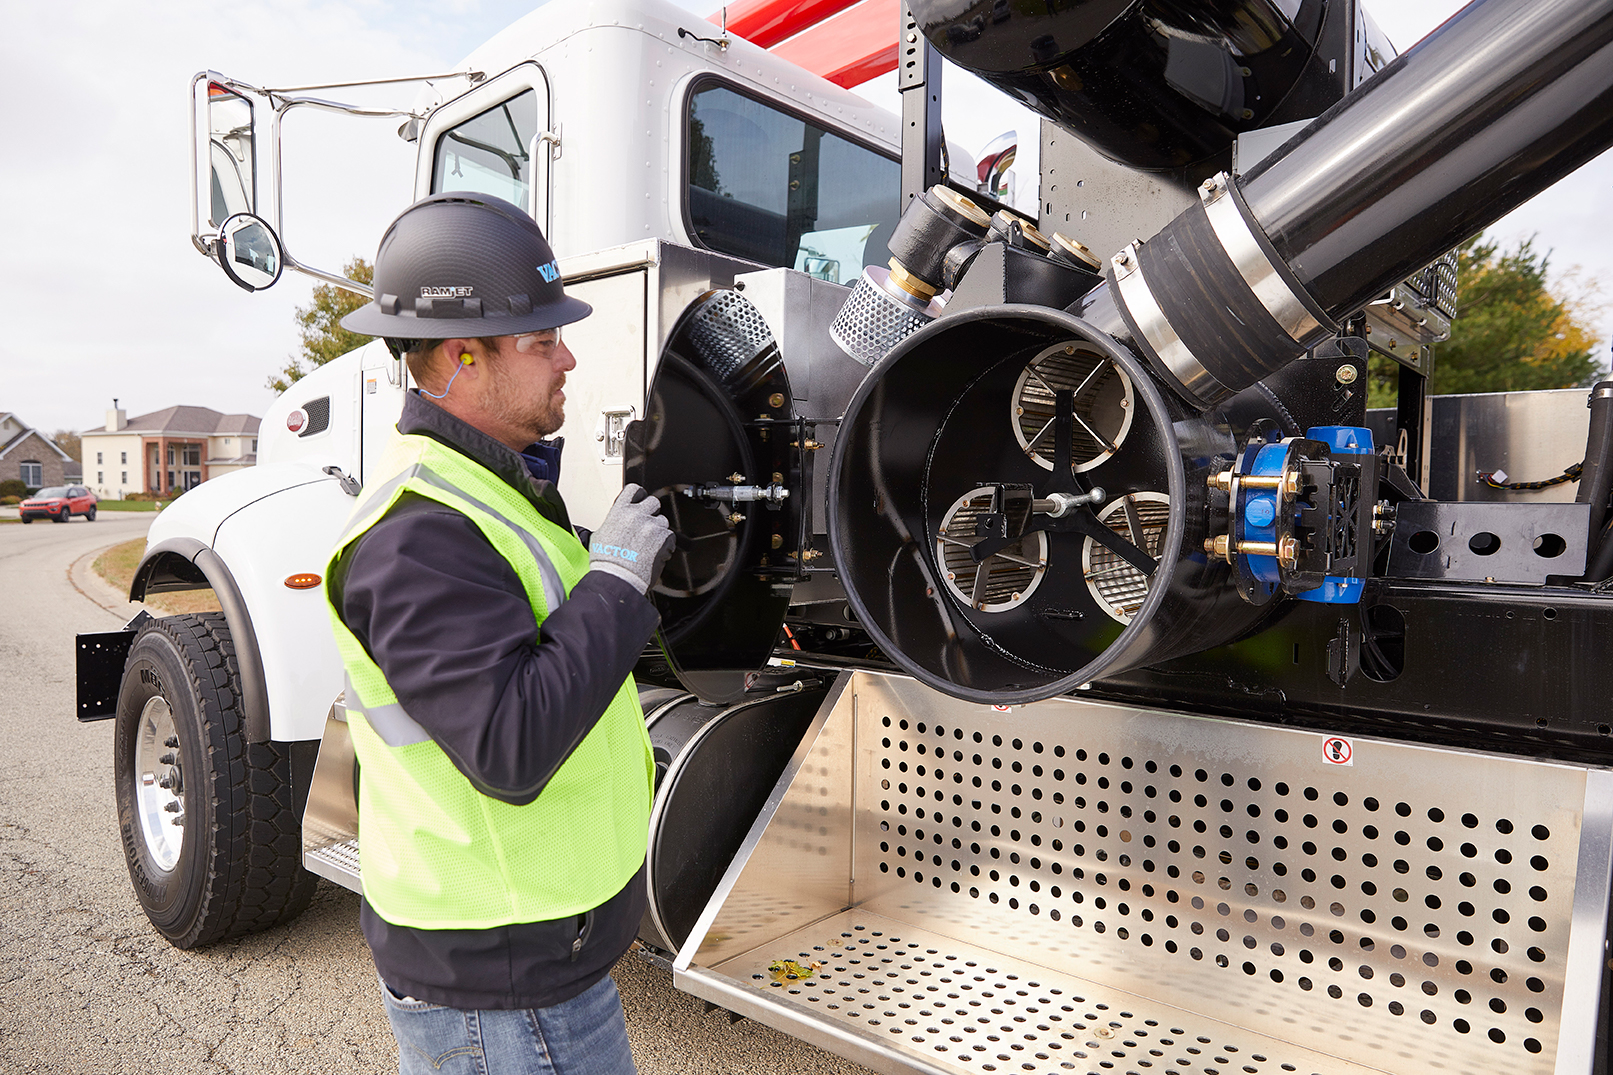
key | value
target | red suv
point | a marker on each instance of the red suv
(59, 503)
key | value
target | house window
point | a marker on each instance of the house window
(33, 474)
(254, 444)
(125, 458)
(98, 457)
(123, 478)
(98, 479)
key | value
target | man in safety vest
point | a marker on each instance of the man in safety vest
(504, 772)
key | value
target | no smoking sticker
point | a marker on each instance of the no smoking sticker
(1337, 751)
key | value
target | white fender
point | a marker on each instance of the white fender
(263, 526)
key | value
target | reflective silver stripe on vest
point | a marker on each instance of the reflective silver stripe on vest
(378, 500)
(554, 591)
(395, 727)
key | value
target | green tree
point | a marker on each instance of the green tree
(68, 442)
(1513, 331)
(319, 325)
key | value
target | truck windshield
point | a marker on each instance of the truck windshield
(490, 153)
(767, 185)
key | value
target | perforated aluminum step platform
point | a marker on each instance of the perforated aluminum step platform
(891, 992)
(1415, 910)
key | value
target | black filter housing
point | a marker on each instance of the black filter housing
(933, 421)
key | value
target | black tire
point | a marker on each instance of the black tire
(62, 516)
(231, 863)
(90, 515)
(26, 519)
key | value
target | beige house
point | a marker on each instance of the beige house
(176, 448)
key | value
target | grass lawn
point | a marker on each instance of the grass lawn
(116, 565)
(126, 505)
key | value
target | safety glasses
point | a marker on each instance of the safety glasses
(536, 343)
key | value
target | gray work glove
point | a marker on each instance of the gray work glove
(634, 542)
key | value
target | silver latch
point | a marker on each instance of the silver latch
(611, 432)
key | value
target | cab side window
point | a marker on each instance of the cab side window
(769, 186)
(490, 153)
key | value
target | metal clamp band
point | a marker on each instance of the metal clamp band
(1161, 338)
(1262, 277)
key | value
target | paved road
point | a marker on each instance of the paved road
(86, 986)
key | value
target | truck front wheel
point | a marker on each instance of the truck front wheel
(210, 832)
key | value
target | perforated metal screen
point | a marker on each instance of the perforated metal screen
(728, 332)
(1412, 910)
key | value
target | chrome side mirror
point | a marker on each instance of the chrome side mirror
(228, 155)
(249, 252)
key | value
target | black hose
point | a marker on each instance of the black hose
(1601, 568)
(1597, 477)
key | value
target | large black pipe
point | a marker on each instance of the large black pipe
(1496, 105)
(1483, 114)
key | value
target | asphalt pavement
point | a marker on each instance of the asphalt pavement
(87, 986)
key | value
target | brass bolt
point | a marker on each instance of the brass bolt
(1217, 546)
(778, 478)
(1288, 551)
(811, 554)
(776, 400)
(1346, 374)
(778, 541)
(1222, 481)
(736, 477)
(736, 518)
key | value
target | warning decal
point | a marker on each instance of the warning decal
(1338, 751)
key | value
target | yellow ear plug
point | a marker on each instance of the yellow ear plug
(466, 359)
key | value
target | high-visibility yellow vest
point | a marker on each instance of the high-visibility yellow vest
(434, 852)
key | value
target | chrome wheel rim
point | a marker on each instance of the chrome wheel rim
(159, 784)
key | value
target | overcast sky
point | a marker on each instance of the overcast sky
(107, 297)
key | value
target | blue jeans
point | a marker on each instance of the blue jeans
(586, 1035)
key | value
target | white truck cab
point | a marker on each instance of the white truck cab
(661, 158)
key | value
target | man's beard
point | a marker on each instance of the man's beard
(541, 419)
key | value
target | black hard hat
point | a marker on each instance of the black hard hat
(461, 264)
